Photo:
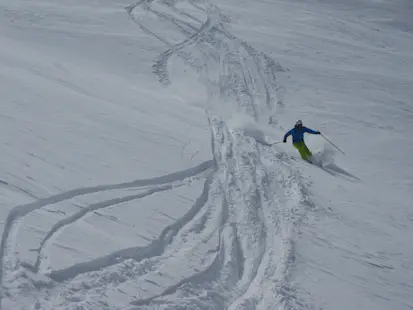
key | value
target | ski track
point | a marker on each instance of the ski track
(83, 212)
(238, 235)
(18, 212)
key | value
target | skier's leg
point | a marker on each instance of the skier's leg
(300, 146)
(307, 151)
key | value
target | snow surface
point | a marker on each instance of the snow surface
(138, 168)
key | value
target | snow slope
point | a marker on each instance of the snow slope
(136, 166)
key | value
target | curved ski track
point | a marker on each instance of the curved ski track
(158, 184)
(235, 242)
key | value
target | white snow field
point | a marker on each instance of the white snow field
(136, 165)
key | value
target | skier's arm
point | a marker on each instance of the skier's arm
(287, 135)
(311, 131)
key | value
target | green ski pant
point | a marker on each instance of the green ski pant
(303, 149)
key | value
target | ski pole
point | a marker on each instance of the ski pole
(333, 144)
(271, 144)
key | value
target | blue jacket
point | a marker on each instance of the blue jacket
(298, 133)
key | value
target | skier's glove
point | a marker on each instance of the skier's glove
(285, 140)
(319, 133)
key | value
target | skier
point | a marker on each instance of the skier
(298, 139)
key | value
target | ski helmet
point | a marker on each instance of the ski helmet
(299, 123)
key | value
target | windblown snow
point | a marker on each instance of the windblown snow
(142, 165)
